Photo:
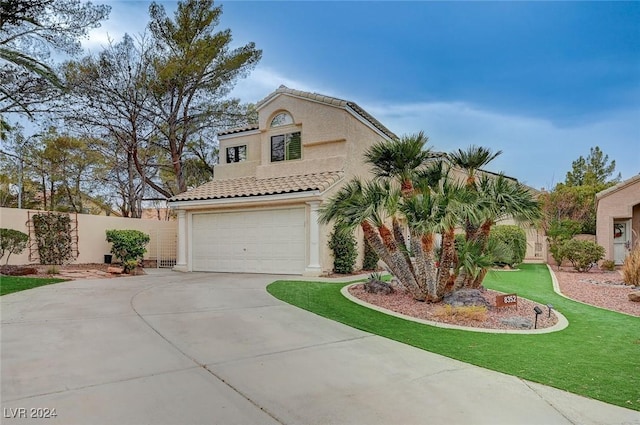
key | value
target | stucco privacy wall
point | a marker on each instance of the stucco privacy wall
(92, 244)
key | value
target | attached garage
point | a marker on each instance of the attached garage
(260, 241)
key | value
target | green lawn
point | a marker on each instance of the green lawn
(9, 284)
(597, 356)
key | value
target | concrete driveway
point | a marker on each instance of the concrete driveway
(171, 348)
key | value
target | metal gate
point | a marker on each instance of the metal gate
(165, 242)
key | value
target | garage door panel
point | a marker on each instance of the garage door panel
(267, 241)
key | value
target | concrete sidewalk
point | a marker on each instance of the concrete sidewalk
(171, 348)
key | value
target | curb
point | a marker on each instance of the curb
(562, 321)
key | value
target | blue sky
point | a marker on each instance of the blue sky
(541, 81)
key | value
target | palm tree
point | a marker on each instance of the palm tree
(367, 205)
(400, 159)
(472, 159)
(500, 198)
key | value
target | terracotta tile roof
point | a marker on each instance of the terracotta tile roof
(239, 129)
(251, 186)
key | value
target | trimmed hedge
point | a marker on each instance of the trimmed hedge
(343, 244)
(514, 240)
(582, 254)
(129, 246)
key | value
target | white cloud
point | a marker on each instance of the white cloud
(535, 150)
(264, 80)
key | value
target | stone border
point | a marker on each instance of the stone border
(562, 321)
(556, 289)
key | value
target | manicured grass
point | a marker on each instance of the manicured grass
(597, 356)
(10, 284)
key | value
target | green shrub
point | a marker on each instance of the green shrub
(514, 240)
(370, 261)
(582, 254)
(12, 242)
(608, 265)
(560, 231)
(53, 235)
(128, 246)
(343, 245)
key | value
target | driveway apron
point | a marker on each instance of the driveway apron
(207, 348)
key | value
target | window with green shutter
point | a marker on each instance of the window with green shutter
(285, 147)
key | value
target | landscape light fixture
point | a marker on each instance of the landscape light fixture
(550, 307)
(538, 312)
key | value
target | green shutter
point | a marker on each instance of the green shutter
(294, 146)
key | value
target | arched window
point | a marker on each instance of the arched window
(283, 118)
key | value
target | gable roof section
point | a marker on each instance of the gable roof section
(244, 187)
(349, 106)
(619, 186)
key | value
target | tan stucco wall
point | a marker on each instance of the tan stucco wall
(618, 203)
(92, 244)
(332, 140)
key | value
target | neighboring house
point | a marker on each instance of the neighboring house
(260, 212)
(618, 219)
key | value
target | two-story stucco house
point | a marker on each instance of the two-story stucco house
(260, 212)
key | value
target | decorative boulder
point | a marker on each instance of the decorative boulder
(466, 297)
(517, 322)
(634, 296)
(375, 286)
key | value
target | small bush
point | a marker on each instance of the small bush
(370, 261)
(129, 246)
(343, 245)
(514, 240)
(474, 312)
(560, 231)
(582, 254)
(608, 265)
(12, 242)
(631, 268)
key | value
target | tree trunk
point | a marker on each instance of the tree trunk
(447, 260)
(400, 241)
(399, 265)
(483, 239)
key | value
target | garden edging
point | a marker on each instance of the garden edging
(562, 321)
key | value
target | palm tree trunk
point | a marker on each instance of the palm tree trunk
(447, 260)
(483, 239)
(399, 265)
(400, 241)
(425, 264)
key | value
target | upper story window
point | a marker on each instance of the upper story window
(283, 118)
(236, 154)
(285, 147)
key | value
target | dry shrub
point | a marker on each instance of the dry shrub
(474, 312)
(631, 268)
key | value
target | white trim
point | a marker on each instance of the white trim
(246, 199)
(346, 108)
(366, 122)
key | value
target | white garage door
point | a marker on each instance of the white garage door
(266, 241)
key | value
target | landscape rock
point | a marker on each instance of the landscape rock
(375, 286)
(466, 297)
(634, 296)
(115, 270)
(17, 270)
(518, 322)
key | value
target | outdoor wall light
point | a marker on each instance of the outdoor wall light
(538, 312)
(550, 307)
